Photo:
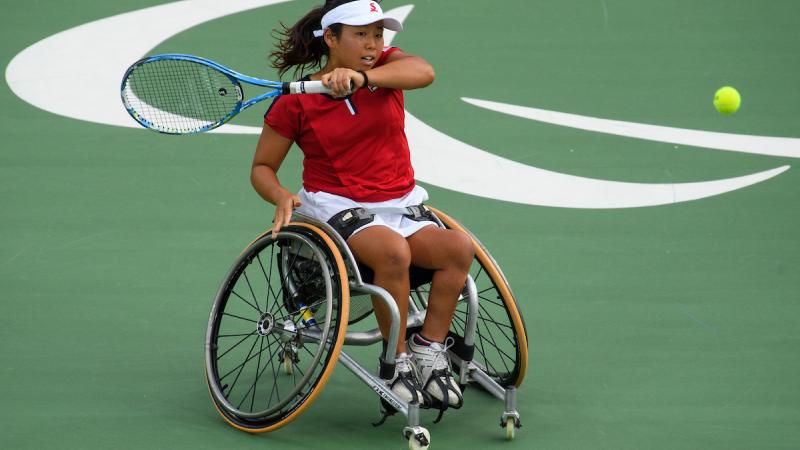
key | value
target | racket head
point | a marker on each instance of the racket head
(180, 94)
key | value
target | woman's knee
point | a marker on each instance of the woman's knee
(394, 258)
(383, 250)
(462, 249)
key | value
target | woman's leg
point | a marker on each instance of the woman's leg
(449, 253)
(387, 253)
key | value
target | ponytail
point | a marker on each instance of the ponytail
(298, 47)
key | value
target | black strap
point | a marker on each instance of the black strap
(420, 213)
(444, 387)
(347, 221)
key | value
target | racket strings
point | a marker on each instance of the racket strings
(179, 96)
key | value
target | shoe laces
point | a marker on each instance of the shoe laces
(403, 363)
(441, 359)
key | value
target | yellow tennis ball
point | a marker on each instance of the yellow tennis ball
(727, 100)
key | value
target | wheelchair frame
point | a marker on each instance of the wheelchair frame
(468, 370)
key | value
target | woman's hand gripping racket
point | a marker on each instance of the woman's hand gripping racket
(185, 94)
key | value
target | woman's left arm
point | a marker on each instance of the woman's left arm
(402, 71)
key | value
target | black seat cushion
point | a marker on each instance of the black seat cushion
(418, 275)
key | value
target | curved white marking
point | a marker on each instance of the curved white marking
(759, 145)
(139, 104)
(77, 73)
(441, 160)
(53, 75)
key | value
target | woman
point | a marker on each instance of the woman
(356, 155)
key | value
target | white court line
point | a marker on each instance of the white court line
(757, 145)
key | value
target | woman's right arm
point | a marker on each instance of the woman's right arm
(270, 153)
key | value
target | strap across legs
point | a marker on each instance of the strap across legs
(348, 221)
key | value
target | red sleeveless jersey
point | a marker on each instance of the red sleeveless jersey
(354, 147)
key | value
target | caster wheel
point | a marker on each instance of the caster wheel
(420, 440)
(288, 367)
(510, 429)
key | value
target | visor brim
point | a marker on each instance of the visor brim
(389, 23)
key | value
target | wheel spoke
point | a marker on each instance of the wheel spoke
(289, 268)
(250, 286)
(478, 273)
(494, 344)
(266, 280)
(308, 351)
(246, 301)
(489, 319)
(485, 290)
(259, 373)
(240, 317)
(274, 390)
(492, 301)
(481, 342)
(270, 278)
(235, 345)
(241, 367)
(481, 350)
(462, 322)
(258, 366)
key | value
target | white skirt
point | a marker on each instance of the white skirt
(322, 206)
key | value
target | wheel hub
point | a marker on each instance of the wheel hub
(265, 324)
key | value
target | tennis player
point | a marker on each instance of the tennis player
(356, 155)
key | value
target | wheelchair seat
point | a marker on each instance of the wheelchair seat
(417, 275)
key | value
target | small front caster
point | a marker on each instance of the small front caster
(418, 438)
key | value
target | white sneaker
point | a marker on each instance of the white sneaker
(404, 383)
(433, 371)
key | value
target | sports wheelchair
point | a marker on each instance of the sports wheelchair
(280, 318)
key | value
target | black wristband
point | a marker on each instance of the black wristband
(366, 78)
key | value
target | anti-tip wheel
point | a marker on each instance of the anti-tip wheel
(417, 442)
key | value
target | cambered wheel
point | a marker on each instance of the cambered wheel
(501, 342)
(276, 328)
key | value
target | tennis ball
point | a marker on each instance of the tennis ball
(727, 100)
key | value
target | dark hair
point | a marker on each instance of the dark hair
(297, 45)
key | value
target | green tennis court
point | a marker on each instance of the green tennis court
(668, 321)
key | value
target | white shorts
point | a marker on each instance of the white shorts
(322, 206)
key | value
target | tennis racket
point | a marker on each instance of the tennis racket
(185, 94)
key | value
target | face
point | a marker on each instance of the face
(357, 47)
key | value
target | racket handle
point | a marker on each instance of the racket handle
(305, 87)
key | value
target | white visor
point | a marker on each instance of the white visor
(359, 12)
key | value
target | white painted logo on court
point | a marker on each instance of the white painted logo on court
(91, 93)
